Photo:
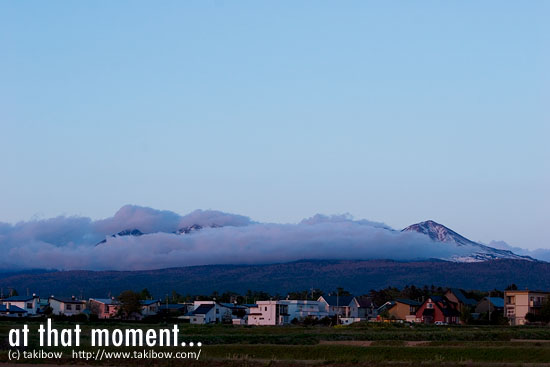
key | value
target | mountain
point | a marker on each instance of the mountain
(136, 232)
(356, 276)
(127, 232)
(469, 251)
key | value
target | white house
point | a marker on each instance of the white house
(150, 307)
(269, 313)
(67, 306)
(301, 309)
(337, 305)
(208, 312)
(363, 308)
(28, 303)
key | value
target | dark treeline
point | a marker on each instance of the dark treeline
(379, 296)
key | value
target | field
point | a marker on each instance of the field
(356, 345)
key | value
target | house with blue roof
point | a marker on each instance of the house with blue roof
(150, 307)
(8, 310)
(457, 296)
(209, 312)
(31, 304)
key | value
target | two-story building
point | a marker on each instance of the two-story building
(268, 313)
(518, 303)
(301, 309)
(67, 306)
(399, 309)
(104, 308)
(150, 307)
(438, 309)
(337, 305)
(209, 312)
(30, 304)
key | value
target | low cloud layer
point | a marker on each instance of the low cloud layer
(539, 254)
(71, 242)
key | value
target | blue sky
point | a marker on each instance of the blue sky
(392, 111)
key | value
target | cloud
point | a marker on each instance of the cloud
(70, 242)
(540, 254)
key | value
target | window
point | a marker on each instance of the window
(68, 307)
(265, 308)
(77, 307)
(430, 305)
(29, 305)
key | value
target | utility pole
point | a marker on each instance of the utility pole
(337, 307)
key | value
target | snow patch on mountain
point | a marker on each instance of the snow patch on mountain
(470, 251)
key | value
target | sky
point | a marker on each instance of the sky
(395, 112)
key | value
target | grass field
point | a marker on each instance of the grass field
(355, 345)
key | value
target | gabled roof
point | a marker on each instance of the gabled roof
(447, 307)
(365, 301)
(462, 298)
(19, 299)
(339, 301)
(409, 302)
(201, 310)
(68, 300)
(106, 301)
(496, 301)
(12, 309)
(148, 302)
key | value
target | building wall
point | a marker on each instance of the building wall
(300, 309)
(67, 309)
(265, 313)
(517, 304)
(102, 310)
(33, 303)
(400, 311)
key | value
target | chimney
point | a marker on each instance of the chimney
(73, 298)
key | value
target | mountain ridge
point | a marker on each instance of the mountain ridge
(357, 276)
(479, 252)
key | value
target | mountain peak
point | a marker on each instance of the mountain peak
(477, 251)
(438, 232)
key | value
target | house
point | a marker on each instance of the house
(301, 309)
(438, 309)
(490, 304)
(363, 308)
(104, 308)
(457, 296)
(150, 307)
(269, 313)
(399, 309)
(31, 304)
(518, 303)
(238, 312)
(9, 310)
(339, 306)
(67, 306)
(208, 312)
(173, 309)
